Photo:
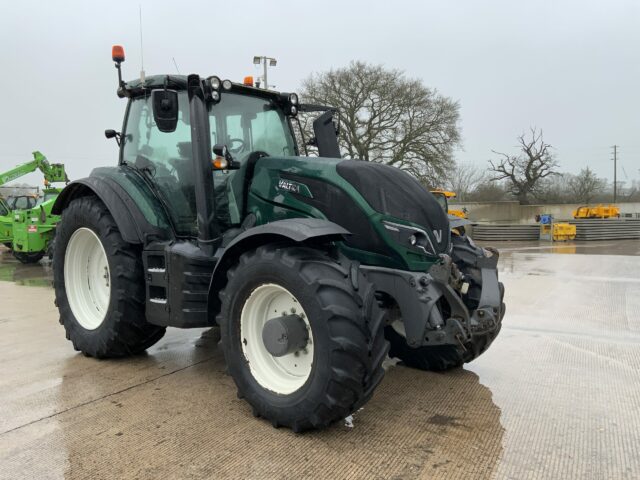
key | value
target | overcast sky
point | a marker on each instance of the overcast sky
(571, 68)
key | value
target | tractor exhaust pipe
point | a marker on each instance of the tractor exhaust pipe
(208, 229)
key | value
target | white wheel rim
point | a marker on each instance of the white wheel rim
(281, 375)
(398, 326)
(87, 278)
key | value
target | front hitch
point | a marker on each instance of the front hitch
(425, 298)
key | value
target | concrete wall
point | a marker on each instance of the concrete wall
(513, 212)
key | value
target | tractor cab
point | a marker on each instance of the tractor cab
(21, 202)
(442, 199)
(443, 196)
(244, 121)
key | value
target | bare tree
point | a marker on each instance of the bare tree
(555, 189)
(524, 171)
(388, 118)
(464, 178)
(586, 185)
(488, 192)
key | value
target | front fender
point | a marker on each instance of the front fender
(296, 230)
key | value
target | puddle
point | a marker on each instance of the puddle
(31, 275)
(610, 247)
(564, 371)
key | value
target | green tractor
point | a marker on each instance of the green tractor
(29, 231)
(314, 268)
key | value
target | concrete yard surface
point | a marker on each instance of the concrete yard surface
(556, 396)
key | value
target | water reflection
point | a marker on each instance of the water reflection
(32, 275)
(610, 247)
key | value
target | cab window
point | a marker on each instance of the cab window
(165, 158)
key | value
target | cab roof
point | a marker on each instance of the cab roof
(136, 87)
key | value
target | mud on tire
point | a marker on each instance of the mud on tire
(124, 330)
(347, 329)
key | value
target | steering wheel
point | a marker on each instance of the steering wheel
(238, 148)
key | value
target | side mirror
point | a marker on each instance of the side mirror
(110, 133)
(326, 136)
(224, 160)
(165, 109)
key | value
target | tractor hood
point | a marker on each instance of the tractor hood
(393, 192)
(394, 222)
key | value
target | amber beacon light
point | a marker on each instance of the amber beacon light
(117, 53)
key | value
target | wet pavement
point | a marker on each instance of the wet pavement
(556, 396)
(11, 270)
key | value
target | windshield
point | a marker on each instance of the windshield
(22, 202)
(248, 124)
(442, 200)
(50, 196)
(243, 123)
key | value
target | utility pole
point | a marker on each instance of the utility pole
(615, 173)
(266, 83)
(257, 60)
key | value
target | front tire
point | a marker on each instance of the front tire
(437, 358)
(99, 284)
(337, 370)
(445, 357)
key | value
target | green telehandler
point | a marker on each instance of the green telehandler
(30, 232)
(6, 230)
(314, 268)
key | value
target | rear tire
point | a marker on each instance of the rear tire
(28, 257)
(51, 248)
(345, 322)
(99, 284)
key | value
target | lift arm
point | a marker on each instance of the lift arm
(53, 172)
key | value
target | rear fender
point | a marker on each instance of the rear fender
(117, 192)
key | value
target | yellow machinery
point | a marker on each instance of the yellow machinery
(600, 211)
(557, 232)
(563, 232)
(443, 197)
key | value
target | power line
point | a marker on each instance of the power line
(626, 177)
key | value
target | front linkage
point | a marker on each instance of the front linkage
(456, 304)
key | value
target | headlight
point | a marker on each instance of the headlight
(215, 96)
(215, 83)
(410, 237)
(226, 84)
(294, 111)
(293, 99)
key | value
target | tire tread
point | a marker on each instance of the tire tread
(125, 330)
(357, 346)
